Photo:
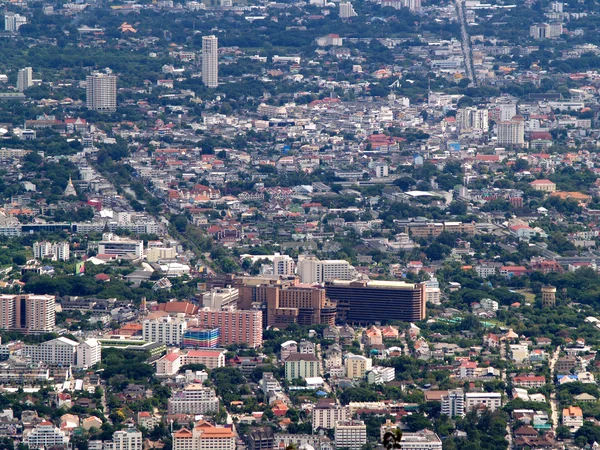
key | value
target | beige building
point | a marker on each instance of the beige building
(326, 414)
(301, 365)
(357, 366)
(543, 185)
(489, 400)
(204, 436)
(572, 418)
(155, 254)
(350, 434)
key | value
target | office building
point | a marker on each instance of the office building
(168, 330)
(221, 298)
(311, 270)
(480, 400)
(299, 365)
(347, 10)
(210, 61)
(283, 265)
(546, 30)
(357, 366)
(46, 435)
(12, 22)
(101, 92)
(30, 314)
(55, 251)
(421, 440)
(377, 301)
(235, 327)
(121, 247)
(548, 296)
(472, 119)
(304, 305)
(201, 337)
(24, 79)
(194, 399)
(326, 413)
(350, 434)
(127, 439)
(453, 403)
(204, 436)
(512, 132)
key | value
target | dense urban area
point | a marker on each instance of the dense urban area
(299, 225)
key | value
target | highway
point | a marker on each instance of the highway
(466, 42)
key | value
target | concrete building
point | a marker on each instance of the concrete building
(326, 414)
(210, 61)
(472, 119)
(543, 185)
(572, 418)
(221, 298)
(121, 247)
(155, 254)
(357, 366)
(546, 30)
(127, 439)
(311, 270)
(512, 132)
(65, 352)
(350, 434)
(101, 92)
(422, 440)
(194, 399)
(12, 22)
(304, 305)
(24, 79)
(204, 436)
(283, 265)
(548, 296)
(30, 314)
(453, 403)
(46, 435)
(236, 327)
(347, 10)
(89, 353)
(167, 329)
(381, 375)
(57, 251)
(489, 400)
(299, 365)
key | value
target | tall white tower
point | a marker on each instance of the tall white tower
(210, 61)
(101, 92)
(24, 78)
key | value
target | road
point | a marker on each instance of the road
(553, 401)
(465, 42)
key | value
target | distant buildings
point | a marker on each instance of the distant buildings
(127, 439)
(210, 61)
(305, 305)
(165, 330)
(46, 435)
(472, 119)
(101, 92)
(357, 366)
(24, 79)
(350, 434)
(548, 296)
(347, 10)
(453, 403)
(194, 399)
(113, 245)
(58, 251)
(12, 22)
(546, 30)
(512, 132)
(543, 185)
(283, 265)
(236, 327)
(65, 352)
(572, 418)
(326, 414)
(204, 436)
(312, 270)
(30, 314)
(299, 365)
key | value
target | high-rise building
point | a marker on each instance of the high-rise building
(56, 251)
(377, 301)
(235, 327)
(357, 366)
(548, 296)
(24, 79)
(512, 132)
(204, 436)
(327, 413)
(221, 298)
(127, 439)
(194, 399)
(472, 119)
(89, 353)
(283, 265)
(350, 434)
(165, 329)
(305, 305)
(299, 365)
(12, 21)
(453, 403)
(201, 338)
(210, 61)
(347, 10)
(101, 92)
(31, 314)
(546, 30)
(312, 270)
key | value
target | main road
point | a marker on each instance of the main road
(553, 401)
(465, 42)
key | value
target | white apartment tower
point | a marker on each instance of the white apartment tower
(58, 251)
(46, 435)
(128, 439)
(312, 270)
(12, 21)
(24, 79)
(165, 330)
(453, 403)
(351, 434)
(471, 119)
(101, 92)
(512, 132)
(210, 61)
(283, 265)
(347, 10)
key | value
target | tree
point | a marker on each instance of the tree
(392, 439)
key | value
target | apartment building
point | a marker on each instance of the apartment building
(357, 366)
(350, 434)
(101, 92)
(204, 436)
(194, 399)
(453, 403)
(165, 329)
(326, 414)
(312, 270)
(46, 435)
(127, 439)
(55, 251)
(572, 418)
(236, 327)
(489, 400)
(30, 314)
(221, 298)
(304, 305)
(299, 365)
(65, 352)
